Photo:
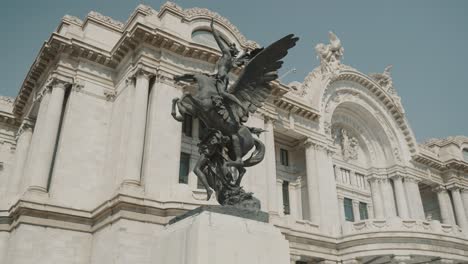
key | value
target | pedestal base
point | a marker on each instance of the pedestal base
(221, 235)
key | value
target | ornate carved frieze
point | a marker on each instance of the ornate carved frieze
(106, 19)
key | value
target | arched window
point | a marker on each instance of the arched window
(465, 154)
(205, 37)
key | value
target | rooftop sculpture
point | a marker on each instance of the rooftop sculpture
(224, 107)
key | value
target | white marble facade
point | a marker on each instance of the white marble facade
(91, 163)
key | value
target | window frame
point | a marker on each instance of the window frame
(284, 157)
(348, 209)
(183, 179)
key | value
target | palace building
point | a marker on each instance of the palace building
(93, 166)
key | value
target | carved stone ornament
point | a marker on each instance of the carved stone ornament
(196, 11)
(349, 144)
(385, 79)
(330, 55)
(106, 19)
(110, 95)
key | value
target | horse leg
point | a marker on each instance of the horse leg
(236, 147)
(202, 162)
(242, 171)
(174, 110)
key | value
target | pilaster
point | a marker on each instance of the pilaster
(402, 205)
(376, 197)
(136, 139)
(46, 139)
(270, 158)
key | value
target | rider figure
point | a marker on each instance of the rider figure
(224, 66)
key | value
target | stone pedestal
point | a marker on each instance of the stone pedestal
(215, 234)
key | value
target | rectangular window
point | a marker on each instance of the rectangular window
(202, 130)
(187, 125)
(284, 157)
(184, 167)
(360, 181)
(345, 176)
(363, 211)
(348, 209)
(286, 197)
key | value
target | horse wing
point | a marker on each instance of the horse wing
(253, 87)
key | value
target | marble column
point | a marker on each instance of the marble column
(443, 206)
(22, 147)
(402, 205)
(416, 210)
(388, 198)
(357, 215)
(464, 194)
(44, 143)
(312, 182)
(376, 198)
(460, 213)
(163, 142)
(295, 199)
(279, 192)
(270, 159)
(136, 139)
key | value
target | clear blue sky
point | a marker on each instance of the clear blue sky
(426, 41)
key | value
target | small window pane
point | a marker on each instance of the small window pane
(184, 168)
(348, 209)
(284, 157)
(363, 211)
(286, 197)
(465, 155)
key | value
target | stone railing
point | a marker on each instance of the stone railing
(291, 170)
(401, 225)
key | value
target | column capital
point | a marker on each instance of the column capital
(340, 197)
(454, 187)
(412, 179)
(142, 71)
(269, 119)
(279, 181)
(397, 176)
(438, 188)
(25, 126)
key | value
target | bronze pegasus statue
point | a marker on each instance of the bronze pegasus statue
(224, 108)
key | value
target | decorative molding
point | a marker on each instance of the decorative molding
(105, 19)
(72, 20)
(110, 95)
(192, 13)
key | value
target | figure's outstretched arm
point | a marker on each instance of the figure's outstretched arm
(216, 36)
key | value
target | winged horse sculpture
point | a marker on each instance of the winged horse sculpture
(224, 108)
